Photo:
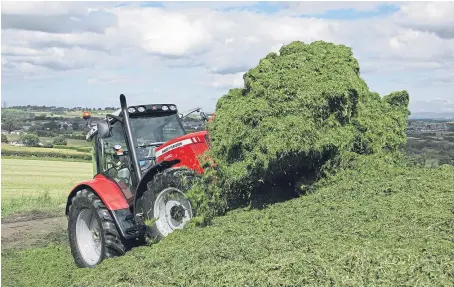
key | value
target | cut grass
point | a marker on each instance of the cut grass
(378, 225)
(29, 185)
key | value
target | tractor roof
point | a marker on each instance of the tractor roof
(147, 110)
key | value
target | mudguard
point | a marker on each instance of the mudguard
(109, 192)
(159, 167)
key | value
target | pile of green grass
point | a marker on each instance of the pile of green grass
(375, 223)
(298, 111)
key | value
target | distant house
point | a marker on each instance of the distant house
(17, 132)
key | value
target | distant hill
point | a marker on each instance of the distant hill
(432, 115)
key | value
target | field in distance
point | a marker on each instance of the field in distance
(39, 185)
(71, 142)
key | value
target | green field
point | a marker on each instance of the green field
(39, 185)
(67, 153)
(375, 225)
(71, 142)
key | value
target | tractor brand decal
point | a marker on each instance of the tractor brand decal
(173, 146)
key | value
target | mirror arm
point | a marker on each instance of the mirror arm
(120, 119)
(190, 112)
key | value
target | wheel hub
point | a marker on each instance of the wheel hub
(177, 212)
(172, 210)
(95, 234)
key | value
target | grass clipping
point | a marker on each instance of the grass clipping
(298, 112)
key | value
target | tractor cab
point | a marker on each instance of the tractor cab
(151, 126)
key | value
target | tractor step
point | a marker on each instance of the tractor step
(135, 230)
(126, 223)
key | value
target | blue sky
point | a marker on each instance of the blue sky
(192, 53)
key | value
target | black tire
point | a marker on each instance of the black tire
(177, 178)
(111, 243)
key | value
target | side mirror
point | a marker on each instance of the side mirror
(204, 116)
(103, 129)
(180, 116)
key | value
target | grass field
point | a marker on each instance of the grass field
(375, 225)
(71, 142)
(66, 153)
(42, 185)
(39, 149)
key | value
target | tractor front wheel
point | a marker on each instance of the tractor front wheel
(93, 235)
(164, 202)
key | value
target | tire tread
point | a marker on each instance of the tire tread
(114, 244)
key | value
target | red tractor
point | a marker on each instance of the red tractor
(143, 163)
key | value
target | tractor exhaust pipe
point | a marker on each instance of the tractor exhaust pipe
(129, 138)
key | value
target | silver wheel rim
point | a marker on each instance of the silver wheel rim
(171, 210)
(88, 236)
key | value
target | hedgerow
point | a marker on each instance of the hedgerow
(76, 148)
(44, 153)
(298, 111)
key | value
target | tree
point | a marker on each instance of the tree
(52, 125)
(14, 119)
(65, 126)
(59, 140)
(30, 139)
(4, 138)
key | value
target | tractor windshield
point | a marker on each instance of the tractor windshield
(148, 133)
(153, 129)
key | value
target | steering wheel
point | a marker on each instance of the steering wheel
(149, 159)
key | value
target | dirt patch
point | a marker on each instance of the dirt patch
(31, 215)
(21, 233)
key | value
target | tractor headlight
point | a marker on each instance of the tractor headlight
(132, 110)
(141, 109)
(172, 108)
(165, 108)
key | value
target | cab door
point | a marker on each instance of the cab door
(113, 162)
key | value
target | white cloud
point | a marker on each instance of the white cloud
(49, 8)
(227, 81)
(312, 7)
(223, 44)
(164, 32)
(436, 17)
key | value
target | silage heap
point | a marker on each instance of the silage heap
(298, 110)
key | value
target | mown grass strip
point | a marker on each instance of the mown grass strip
(29, 185)
(8, 150)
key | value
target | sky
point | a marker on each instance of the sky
(191, 53)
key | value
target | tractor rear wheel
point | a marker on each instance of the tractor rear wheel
(93, 235)
(165, 203)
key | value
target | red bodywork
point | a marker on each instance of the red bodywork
(110, 194)
(186, 148)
